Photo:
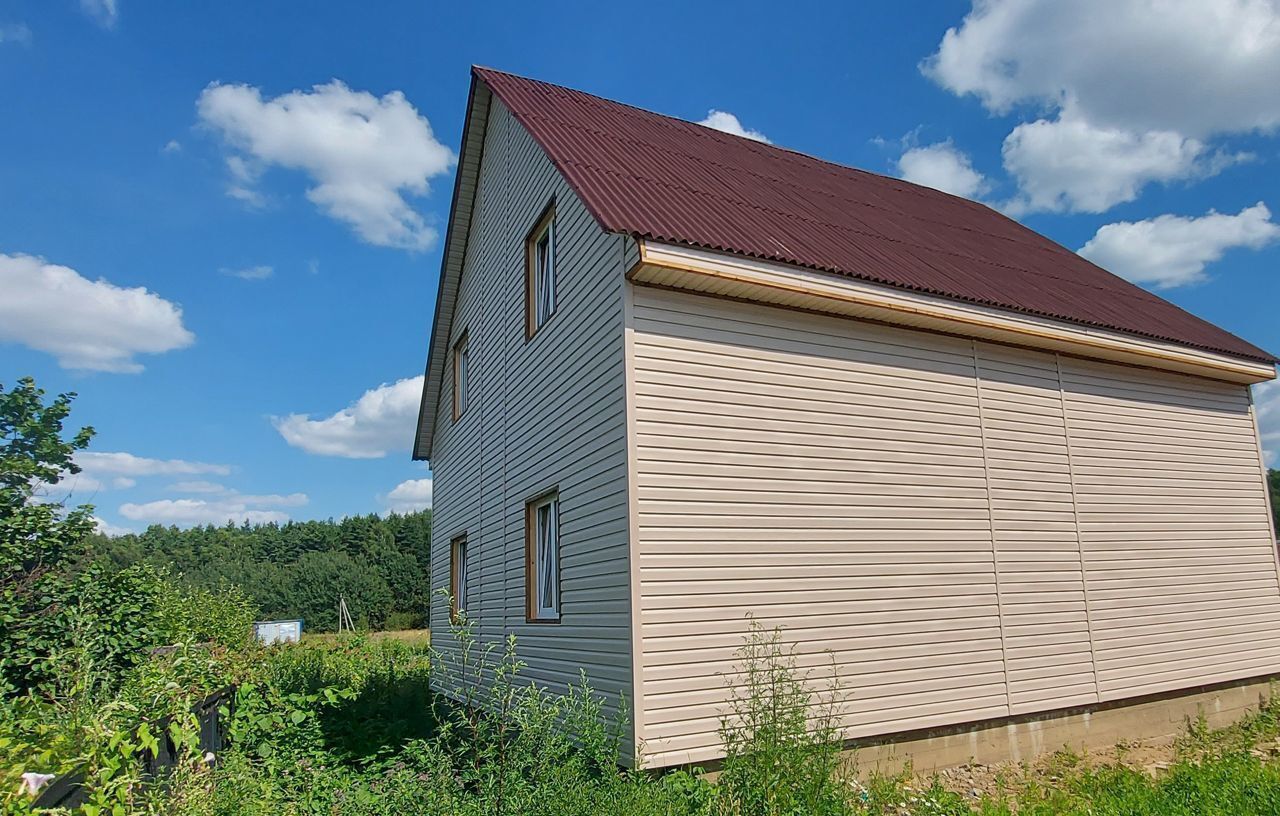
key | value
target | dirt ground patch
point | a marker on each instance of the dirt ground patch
(1153, 757)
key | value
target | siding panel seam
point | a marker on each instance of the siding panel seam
(995, 554)
(1075, 512)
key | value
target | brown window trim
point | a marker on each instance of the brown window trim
(545, 218)
(458, 408)
(530, 571)
(455, 575)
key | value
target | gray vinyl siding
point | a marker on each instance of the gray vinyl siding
(970, 530)
(544, 413)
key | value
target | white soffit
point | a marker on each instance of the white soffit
(741, 278)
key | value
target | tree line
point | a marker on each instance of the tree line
(1273, 481)
(380, 565)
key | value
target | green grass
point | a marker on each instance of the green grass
(415, 637)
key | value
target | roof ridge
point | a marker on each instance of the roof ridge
(914, 188)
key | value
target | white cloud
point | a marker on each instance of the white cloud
(363, 153)
(1070, 165)
(1195, 66)
(381, 420)
(728, 123)
(108, 529)
(1266, 405)
(95, 463)
(942, 167)
(221, 505)
(1173, 250)
(172, 146)
(89, 325)
(250, 273)
(104, 12)
(1139, 87)
(15, 33)
(410, 496)
(189, 512)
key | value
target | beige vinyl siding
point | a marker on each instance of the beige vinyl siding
(1037, 546)
(825, 478)
(546, 412)
(1177, 542)
(907, 503)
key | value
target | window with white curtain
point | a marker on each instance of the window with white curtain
(543, 558)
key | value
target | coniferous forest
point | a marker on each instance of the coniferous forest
(300, 569)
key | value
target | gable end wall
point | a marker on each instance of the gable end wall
(548, 412)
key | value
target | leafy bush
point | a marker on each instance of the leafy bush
(187, 614)
(782, 742)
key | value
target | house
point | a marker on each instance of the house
(677, 377)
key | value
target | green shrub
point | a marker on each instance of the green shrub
(187, 614)
(782, 741)
(399, 621)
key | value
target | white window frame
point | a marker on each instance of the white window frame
(541, 289)
(461, 375)
(542, 520)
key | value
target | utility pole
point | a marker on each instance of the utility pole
(344, 616)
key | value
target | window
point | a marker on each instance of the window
(461, 376)
(540, 272)
(542, 558)
(457, 576)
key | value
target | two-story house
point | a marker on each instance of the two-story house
(678, 377)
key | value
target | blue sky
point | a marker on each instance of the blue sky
(283, 179)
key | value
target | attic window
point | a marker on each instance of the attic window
(461, 376)
(540, 271)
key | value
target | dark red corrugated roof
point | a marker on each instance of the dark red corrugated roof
(661, 178)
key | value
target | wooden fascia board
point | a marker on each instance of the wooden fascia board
(750, 279)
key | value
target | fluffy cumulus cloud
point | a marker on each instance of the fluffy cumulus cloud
(409, 496)
(942, 167)
(1266, 403)
(119, 463)
(380, 421)
(217, 504)
(1135, 89)
(86, 325)
(1173, 250)
(1071, 165)
(363, 153)
(236, 509)
(728, 123)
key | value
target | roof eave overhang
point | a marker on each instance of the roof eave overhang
(465, 183)
(741, 278)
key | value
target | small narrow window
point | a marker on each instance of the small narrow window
(542, 558)
(540, 278)
(461, 376)
(457, 576)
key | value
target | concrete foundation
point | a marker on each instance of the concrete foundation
(1153, 718)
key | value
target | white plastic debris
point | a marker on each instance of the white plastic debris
(32, 782)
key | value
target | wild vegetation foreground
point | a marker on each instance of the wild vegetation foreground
(101, 664)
